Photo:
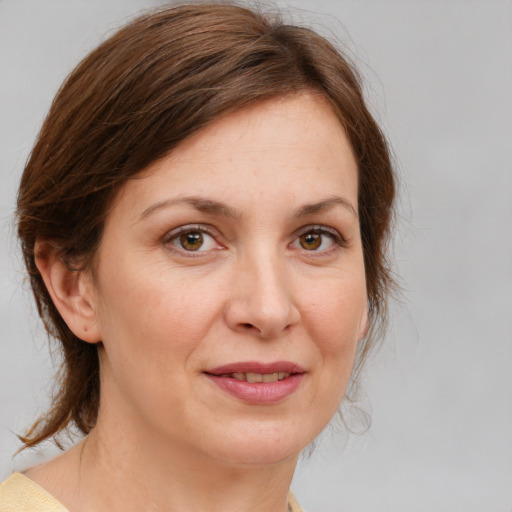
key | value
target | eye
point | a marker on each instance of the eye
(192, 239)
(311, 241)
(318, 239)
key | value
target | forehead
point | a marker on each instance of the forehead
(291, 148)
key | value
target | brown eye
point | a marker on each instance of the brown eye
(191, 241)
(310, 241)
(318, 239)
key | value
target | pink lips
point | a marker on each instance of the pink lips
(237, 380)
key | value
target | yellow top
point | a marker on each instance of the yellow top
(20, 494)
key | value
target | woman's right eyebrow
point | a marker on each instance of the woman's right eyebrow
(201, 204)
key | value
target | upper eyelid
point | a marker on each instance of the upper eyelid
(173, 234)
(321, 229)
(203, 228)
(317, 227)
(214, 233)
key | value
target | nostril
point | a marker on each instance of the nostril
(248, 326)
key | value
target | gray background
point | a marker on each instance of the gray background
(440, 389)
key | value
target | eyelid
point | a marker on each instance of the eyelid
(323, 230)
(202, 228)
(337, 238)
(334, 234)
(190, 228)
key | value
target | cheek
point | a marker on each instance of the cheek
(147, 314)
(335, 317)
(336, 312)
(152, 324)
(332, 316)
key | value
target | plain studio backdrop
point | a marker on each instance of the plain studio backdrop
(440, 390)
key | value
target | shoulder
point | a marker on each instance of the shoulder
(293, 504)
(20, 494)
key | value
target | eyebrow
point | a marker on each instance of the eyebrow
(199, 203)
(206, 205)
(327, 204)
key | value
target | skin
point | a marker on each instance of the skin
(257, 289)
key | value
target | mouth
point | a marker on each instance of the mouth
(258, 383)
(254, 372)
(253, 377)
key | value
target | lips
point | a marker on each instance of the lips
(258, 383)
(256, 367)
(258, 377)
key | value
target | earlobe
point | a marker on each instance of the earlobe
(72, 292)
(365, 325)
(364, 331)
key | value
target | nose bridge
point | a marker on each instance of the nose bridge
(262, 299)
(268, 277)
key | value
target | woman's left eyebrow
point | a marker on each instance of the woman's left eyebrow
(326, 204)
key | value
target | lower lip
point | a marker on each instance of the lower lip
(258, 393)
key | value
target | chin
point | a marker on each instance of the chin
(262, 446)
(260, 456)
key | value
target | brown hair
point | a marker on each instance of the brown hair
(151, 85)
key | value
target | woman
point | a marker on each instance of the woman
(204, 220)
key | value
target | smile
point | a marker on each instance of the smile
(258, 383)
(257, 377)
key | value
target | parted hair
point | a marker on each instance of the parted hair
(155, 82)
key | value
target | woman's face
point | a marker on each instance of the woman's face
(229, 287)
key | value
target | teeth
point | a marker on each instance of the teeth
(254, 377)
(259, 377)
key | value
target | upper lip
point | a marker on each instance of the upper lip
(256, 367)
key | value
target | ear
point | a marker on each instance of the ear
(364, 325)
(72, 292)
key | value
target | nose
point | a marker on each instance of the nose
(261, 299)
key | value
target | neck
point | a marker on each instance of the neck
(156, 477)
(123, 472)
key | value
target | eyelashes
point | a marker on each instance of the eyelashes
(198, 240)
(319, 239)
(192, 239)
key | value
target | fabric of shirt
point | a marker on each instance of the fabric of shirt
(20, 494)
